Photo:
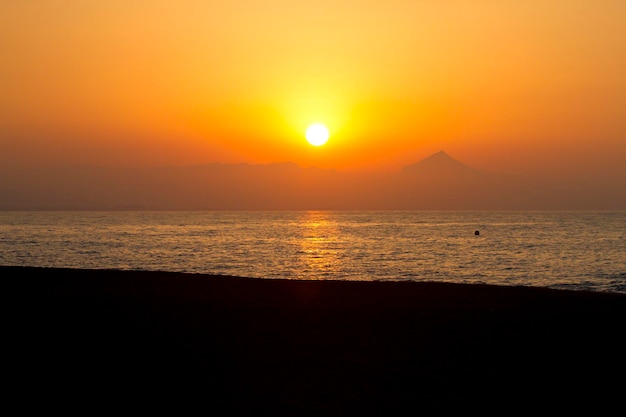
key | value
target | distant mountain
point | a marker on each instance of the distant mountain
(439, 163)
(438, 182)
(441, 182)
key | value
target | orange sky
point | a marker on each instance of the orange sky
(501, 85)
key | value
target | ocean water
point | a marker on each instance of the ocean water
(573, 250)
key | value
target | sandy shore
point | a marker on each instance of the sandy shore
(89, 340)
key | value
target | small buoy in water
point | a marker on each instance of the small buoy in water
(476, 233)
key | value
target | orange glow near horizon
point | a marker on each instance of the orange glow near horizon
(179, 83)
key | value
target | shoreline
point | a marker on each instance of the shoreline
(194, 343)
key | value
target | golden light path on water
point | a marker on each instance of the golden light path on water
(318, 251)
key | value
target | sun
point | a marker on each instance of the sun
(317, 134)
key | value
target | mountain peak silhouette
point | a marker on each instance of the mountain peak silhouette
(439, 163)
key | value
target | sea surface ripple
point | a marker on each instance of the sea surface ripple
(573, 250)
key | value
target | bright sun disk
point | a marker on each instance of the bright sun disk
(317, 134)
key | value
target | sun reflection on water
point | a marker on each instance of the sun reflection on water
(319, 245)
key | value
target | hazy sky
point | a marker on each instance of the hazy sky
(522, 86)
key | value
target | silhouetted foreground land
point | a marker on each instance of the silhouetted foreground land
(91, 340)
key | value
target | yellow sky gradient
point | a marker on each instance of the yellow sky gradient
(500, 85)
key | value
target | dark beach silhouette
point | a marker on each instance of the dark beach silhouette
(87, 341)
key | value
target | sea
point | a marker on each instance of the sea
(576, 250)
